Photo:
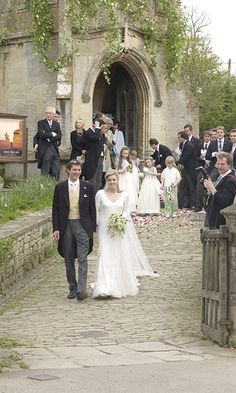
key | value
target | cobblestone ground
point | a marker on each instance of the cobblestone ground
(40, 315)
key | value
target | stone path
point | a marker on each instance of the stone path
(164, 319)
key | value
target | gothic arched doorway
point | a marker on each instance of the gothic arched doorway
(121, 100)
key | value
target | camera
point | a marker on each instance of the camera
(203, 173)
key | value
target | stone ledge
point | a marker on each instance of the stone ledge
(25, 224)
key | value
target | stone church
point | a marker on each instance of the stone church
(138, 95)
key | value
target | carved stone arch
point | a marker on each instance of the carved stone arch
(132, 60)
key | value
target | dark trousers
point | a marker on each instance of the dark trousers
(76, 244)
(188, 190)
(96, 180)
(200, 192)
(51, 163)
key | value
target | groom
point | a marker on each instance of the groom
(74, 221)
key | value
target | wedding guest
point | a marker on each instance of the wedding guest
(221, 191)
(149, 196)
(120, 257)
(201, 151)
(117, 140)
(233, 150)
(74, 221)
(188, 128)
(126, 182)
(189, 176)
(48, 138)
(160, 153)
(78, 142)
(95, 139)
(170, 179)
(215, 147)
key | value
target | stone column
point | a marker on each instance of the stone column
(64, 78)
(230, 215)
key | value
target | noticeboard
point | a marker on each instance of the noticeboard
(13, 138)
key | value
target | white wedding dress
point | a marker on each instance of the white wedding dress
(120, 259)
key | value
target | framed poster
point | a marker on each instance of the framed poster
(13, 138)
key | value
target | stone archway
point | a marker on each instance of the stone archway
(120, 101)
(142, 84)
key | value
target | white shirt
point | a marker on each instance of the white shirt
(118, 139)
(73, 185)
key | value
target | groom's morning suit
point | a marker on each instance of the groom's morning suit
(74, 215)
(48, 138)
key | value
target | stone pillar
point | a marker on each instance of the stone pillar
(64, 77)
(230, 215)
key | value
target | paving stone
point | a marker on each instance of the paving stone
(143, 328)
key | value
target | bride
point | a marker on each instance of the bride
(120, 258)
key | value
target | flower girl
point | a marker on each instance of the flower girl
(126, 182)
(170, 178)
(149, 196)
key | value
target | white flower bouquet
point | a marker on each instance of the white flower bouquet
(116, 225)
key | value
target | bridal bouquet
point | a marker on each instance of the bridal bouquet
(116, 224)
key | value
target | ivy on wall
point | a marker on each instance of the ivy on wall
(87, 14)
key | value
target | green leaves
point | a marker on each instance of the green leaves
(86, 15)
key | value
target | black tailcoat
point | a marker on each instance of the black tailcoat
(61, 208)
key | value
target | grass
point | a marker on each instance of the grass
(8, 343)
(26, 197)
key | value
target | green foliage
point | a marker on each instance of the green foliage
(25, 197)
(86, 13)
(8, 343)
(5, 246)
(211, 87)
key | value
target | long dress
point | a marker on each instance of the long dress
(126, 183)
(120, 259)
(149, 196)
(170, 178)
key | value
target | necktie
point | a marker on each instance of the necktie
(205, 147)
(220, 144)
(73, 187)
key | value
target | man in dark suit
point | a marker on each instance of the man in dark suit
(201, 151)
(74, 221)
(221, 191)
(188, 129)
(233, 150)
(48, 138)
(94, 145)
(215, 147)
(189, 177)
(160, 154)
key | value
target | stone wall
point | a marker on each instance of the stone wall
(24, 243)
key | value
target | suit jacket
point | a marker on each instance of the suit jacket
(213, 148)
(45, 138)
(198, 149)
(61, 208)
(195, 141)
(160, 156)
(94, 143)
(224, 197)
(188, 159)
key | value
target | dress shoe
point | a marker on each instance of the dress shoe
(81, 296)
(72, 294)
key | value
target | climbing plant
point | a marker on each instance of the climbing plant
(106, 13)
